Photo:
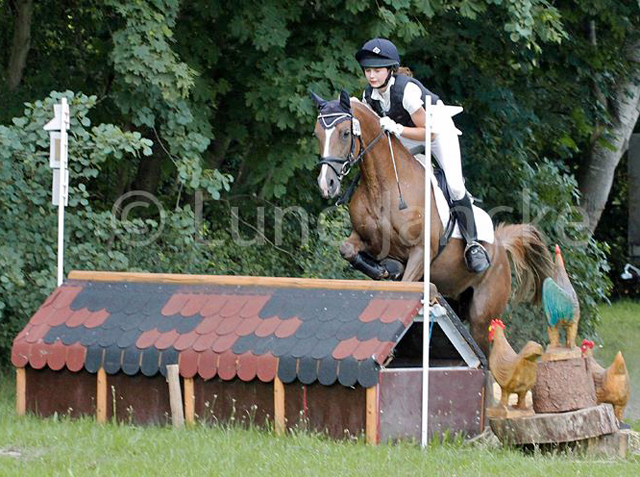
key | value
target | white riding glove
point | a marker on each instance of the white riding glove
(389, 125)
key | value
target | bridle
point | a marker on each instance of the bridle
(345, 164)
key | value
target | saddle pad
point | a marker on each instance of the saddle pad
(483, 221)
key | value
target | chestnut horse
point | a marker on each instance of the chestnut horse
(349, 132)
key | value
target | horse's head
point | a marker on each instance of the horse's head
(335, 130)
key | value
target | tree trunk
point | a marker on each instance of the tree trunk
(596, 176)
(21, 43)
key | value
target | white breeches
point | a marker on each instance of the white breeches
(446, 149)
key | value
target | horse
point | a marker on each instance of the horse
(387, 224)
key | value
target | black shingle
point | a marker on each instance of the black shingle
(302, 347)
(287, 369)
(128, 338)
(348, 371)
(131, 361)
(169, 356)
(93, 359)
(324, 348)
(112, 358)
(282, 346)
(245, 343)
(150, 361)
(368, 373)
(70, 336)
(90, 336)
(327, 371)
(369, 330)
(307, 370)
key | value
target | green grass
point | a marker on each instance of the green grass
(81, 447)
(620, 331)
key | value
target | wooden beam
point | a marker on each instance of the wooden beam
(175, 396)
(101, 397)
(278, 404)
(224, 280)
(189, 401)
(373, 416)
(21, 391)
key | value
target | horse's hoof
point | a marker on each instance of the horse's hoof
(394, 268)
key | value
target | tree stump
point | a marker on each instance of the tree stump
(563, 386)
(556, 428)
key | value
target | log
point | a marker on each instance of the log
(563, 386)
(556, 427)
(175, 396)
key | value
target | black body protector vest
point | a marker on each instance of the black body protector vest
(396, 110)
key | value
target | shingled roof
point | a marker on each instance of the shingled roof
(227, 331)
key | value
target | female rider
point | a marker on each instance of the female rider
(399, 101)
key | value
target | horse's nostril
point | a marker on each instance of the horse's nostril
(332, 183)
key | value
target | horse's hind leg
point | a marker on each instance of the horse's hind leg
(415, 266)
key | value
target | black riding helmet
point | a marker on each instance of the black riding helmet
(378, 53)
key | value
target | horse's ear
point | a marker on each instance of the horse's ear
(318, 100)
(345, 101)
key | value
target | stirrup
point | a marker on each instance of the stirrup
(476, 257)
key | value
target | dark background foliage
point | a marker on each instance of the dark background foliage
(204, 105)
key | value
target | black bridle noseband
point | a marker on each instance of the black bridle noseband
(346, 163)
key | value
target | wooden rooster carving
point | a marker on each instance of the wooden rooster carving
(612, 384)
(561, 305)
(515, 373)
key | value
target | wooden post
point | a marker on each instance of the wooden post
(101, 397)
(278, 404)
(175, 396)
(189, 401)
(21, 391)
(371, 430)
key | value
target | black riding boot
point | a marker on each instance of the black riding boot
(475, 256)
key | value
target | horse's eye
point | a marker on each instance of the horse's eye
(345, 133)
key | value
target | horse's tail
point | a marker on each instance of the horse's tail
(531, 260)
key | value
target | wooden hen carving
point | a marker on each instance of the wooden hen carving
(514, 372)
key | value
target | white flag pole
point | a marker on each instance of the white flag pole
(63, 189)
(427, 275)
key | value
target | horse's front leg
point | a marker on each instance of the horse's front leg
(415, 265)
(352, 251)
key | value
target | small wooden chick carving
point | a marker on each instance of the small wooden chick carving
(561, 305)
(612, 384)
(515, 373)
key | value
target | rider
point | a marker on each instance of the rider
(399, 100)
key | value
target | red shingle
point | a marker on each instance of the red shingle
(288, 327)
(59, 317)
(366, 349)
(75, 357)
(208, 364)
(248, 326)
(224, 343)
(186, 341)
(247, 366)
(147, 339)
(233, 306)
(267, 367)
(37, 333)
(374, 310)
(20, 354)
(51, 298)
(228, 325)
(166, 339)
(383, 352)
(65, 297)
(213, 305)
(38, 355)
(188, 362)
(57, 355)
(400, 310)
(208, 325)
(253, 305)
(194, 305)
(96, 318)
(23, 334)
(345, 348)
(268, 326)
(227, 366)
(42, 315)
(204, 342)
(78, 317)
(175, 304)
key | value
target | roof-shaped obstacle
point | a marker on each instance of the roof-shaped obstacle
(231, 327)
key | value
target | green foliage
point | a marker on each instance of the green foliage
(197, 97)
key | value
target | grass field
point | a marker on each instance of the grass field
(31, 446)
